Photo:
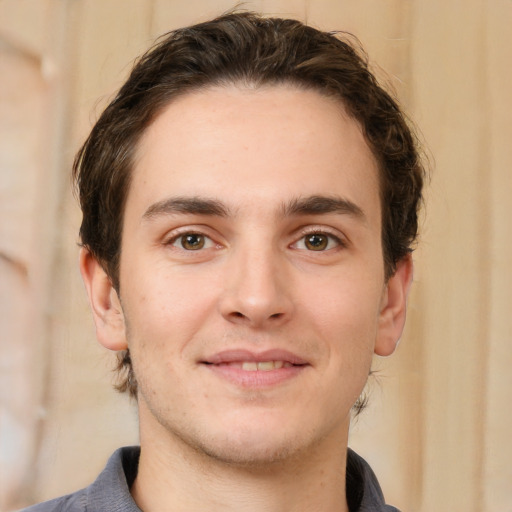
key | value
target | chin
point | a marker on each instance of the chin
(250, 454)
(257, 445)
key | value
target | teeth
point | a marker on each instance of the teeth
(264, 366)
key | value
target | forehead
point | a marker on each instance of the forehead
(254, 144)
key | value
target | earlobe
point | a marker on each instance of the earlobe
(393, 308)
(105, 303)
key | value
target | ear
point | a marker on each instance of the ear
(393, 308)
(105, 303)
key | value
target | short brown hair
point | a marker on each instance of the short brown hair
(244, 48)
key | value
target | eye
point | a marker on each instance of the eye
(192, 242)
(318, 241)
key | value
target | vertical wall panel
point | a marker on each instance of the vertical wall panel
(86, 419)
(23, 23)
(497, 474)
(25, 133)
(168, 16)
(452, 98)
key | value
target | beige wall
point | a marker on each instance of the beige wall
(438, 429)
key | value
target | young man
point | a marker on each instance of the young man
(249, 203)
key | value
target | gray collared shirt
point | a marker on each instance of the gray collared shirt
(111, 490)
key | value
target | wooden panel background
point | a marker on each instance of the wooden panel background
(438, 428)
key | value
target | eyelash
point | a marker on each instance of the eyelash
(187, 232)
(340, 243)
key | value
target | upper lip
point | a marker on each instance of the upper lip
(242, 355)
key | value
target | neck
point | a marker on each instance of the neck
(175, 477)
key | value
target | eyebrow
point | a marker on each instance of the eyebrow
(311, 205)
(321, 205)
(190, 205)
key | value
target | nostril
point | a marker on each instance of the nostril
(255, 316)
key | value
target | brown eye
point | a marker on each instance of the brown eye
(316, 242)
(192, 241)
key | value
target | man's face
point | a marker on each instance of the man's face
(251, 278)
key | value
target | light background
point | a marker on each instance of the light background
(438, 429)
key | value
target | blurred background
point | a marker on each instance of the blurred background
(437, 431)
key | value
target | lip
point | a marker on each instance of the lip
(219, 365)
(240, 355)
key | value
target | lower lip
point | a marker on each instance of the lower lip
(255, 379)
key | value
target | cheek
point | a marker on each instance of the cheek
(166, 308)
(347, 317)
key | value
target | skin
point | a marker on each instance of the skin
(254, 161)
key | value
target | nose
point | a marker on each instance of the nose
(256, 290)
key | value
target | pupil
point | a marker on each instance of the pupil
(193, 242)
(316, 242)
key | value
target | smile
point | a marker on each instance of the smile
(251, 370)
(263, 366)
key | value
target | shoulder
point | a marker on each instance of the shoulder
(111, 490)
(76, 502)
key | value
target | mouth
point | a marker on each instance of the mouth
(258, 366)
(256, 370)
